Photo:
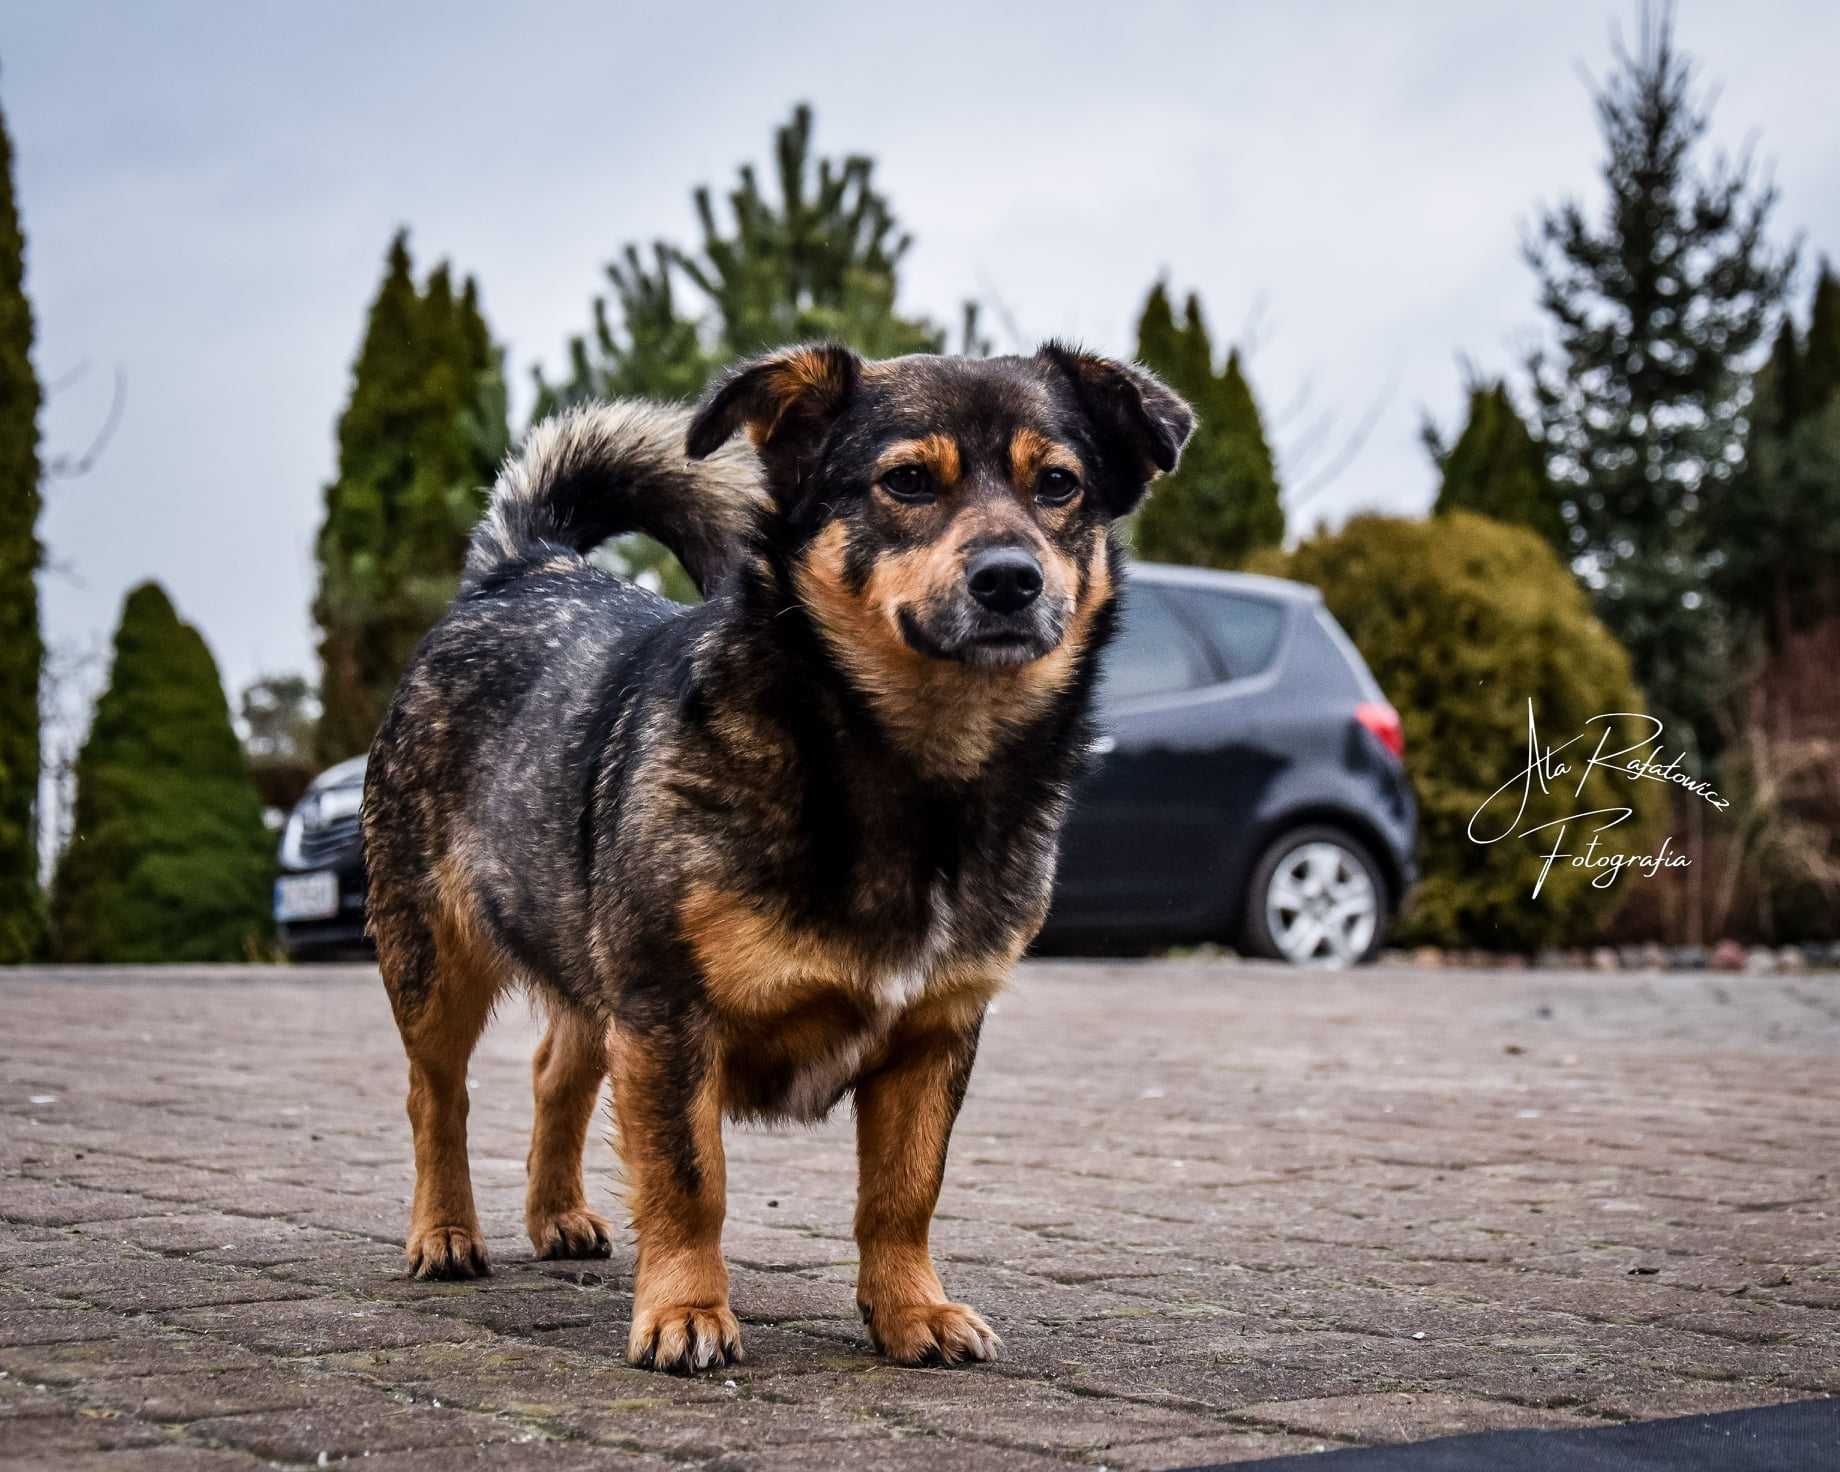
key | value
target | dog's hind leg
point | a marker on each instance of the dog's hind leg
(442, 988)
(566, 1077)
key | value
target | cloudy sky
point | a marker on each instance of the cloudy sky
(208, 191)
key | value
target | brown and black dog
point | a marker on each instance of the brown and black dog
(765, 852)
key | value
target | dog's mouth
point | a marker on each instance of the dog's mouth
(978, 639)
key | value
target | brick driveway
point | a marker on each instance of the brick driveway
(1218, 1212)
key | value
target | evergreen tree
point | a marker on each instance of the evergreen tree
(21, 647)
(1496, 467)
(1779, 527)
(1657, 310)
(821, 261)
(168, 859)
(419, 441)
(1820, 358)
(1221, 505)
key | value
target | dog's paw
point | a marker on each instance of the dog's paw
(576, 1233)
(682, 1339)
(446, 1252)
(931, 1333)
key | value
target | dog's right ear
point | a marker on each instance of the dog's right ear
(785, 401)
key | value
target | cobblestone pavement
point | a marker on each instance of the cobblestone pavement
(1217, 1212)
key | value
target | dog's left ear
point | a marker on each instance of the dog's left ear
(1141, 423)
(785, 401)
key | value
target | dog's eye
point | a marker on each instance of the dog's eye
(1056, 487)
(908, 483)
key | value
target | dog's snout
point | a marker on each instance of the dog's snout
(1004, 579)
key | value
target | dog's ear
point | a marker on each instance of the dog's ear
(1140, 423)
(785, 401)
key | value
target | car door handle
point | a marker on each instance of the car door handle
(1103, 745)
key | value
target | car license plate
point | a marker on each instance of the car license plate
(306, 897)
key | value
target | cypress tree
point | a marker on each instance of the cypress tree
(1657, 310)
(21, 646)
(1496, 468)
(1221, 505)
(1820, 359)
(1779, 525)
(419, 441)
(168, 859)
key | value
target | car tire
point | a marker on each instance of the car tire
(1317, 898)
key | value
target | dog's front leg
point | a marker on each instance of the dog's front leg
(904, 1115)
(667, 1106)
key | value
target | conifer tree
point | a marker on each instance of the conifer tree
(1658, 310)
(1496, 468)
(21, 646)
(1221, 505)
(820, 260)
(419, 441)
(168, 859)
(1778, 528)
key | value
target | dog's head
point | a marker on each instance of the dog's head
(950, 510)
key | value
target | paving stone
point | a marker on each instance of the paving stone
(1218, 1213)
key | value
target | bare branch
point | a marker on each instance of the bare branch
(1349, 453)
(68, 467)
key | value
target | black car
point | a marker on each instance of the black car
(1249, 788)
(319, 893)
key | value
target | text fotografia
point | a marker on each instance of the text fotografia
(1553, 768)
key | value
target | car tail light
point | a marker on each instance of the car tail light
(1383, 721)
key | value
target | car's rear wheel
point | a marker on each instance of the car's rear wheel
(1317, 898)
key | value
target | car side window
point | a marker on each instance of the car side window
(1153, 653)
(1244, 631)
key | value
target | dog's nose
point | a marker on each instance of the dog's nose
(1004, 579)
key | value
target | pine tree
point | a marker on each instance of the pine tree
(21, 646)
(168, 859)
(1496, 467)
(1221, 505)
(820, 261)
(1658, 310)
(419, 441)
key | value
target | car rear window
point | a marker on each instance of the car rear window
(1153, 654)
(1243, 630)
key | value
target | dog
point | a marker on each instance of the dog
(771, 850)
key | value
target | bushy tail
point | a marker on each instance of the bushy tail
(593, 472)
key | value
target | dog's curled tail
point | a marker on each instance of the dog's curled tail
(593, 472)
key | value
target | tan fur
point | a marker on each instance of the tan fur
(680, 1283)
(566, 1076)
(904, 1115)
(1031, 452)
(444, 1239)
(950, 717)
(937, 454)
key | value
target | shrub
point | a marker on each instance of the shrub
(1463, 620)
(168, 859)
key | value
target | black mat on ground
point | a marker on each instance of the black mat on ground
(1803, 1436)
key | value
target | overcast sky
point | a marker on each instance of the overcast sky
(208, 192)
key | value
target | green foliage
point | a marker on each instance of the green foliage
(1221, 505)
(280, 718)
(21, 646)
(168, 859)
(1658, 311)
(1779, 525)
(1464, 620)
(1496, 468)
(821, 261)
(419, 442)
